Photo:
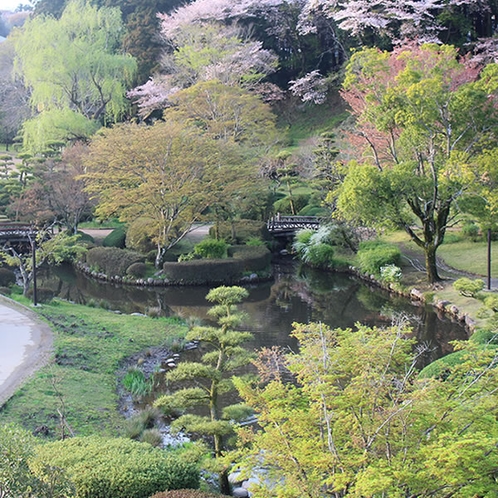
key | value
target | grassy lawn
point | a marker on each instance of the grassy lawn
(457, 251)
(90, 345)
(470, 256)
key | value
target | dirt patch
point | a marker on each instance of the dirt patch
(98, 234)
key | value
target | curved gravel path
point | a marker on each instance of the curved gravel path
(26, 345)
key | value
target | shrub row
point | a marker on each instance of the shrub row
(118, 468)
(214, 271)
(111, 260)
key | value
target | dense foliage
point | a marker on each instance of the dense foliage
(116, 468)
(358, 421)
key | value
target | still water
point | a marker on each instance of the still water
(294, 295)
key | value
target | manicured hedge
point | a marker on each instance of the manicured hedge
(115, 239)
(255, 258)
(112, 261)
(118, 468)
(214, 271)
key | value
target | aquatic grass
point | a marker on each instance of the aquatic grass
(90, 345)
(136, 383)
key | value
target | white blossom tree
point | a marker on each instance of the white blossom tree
(205, 52)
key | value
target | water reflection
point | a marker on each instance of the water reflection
(295, 295)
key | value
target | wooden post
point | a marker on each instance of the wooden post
(33, 251)
(489, 258)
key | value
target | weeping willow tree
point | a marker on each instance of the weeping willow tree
(75, 73)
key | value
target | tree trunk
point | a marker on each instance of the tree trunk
(224, 482)
(431, 264)
(159, 256)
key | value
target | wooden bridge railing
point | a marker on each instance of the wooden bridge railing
(281, 223)
(16, 232)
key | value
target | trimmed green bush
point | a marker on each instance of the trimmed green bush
(373, 255)
(116, 238)
(491, 302)
(242, 259)
(441, 366)
(43, 294)
(7, 277)
(118, 468)
(111, 260)
(467, 287)
(253, 258)
(483, 336)
(239, 232)
(137, 270)
(83, 237)
(283, 206)
(211, 249)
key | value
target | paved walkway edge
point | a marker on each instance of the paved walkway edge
(37, 354)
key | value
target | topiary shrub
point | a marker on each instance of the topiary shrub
(111, 260)
(252, 258)
(137, 270)
(138, 235)
(211, 249)
(373, 255)
(483, 336)
(312, 210)
(299, 202)
(442, 366)
(117, 468)
(84, 237)
(116, 238)
(7, 277)
(467, 287)
(188, 493)
(439, 367)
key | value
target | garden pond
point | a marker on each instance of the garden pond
(295, 294)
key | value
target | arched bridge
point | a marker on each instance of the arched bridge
(16, 233)
(286, 225)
